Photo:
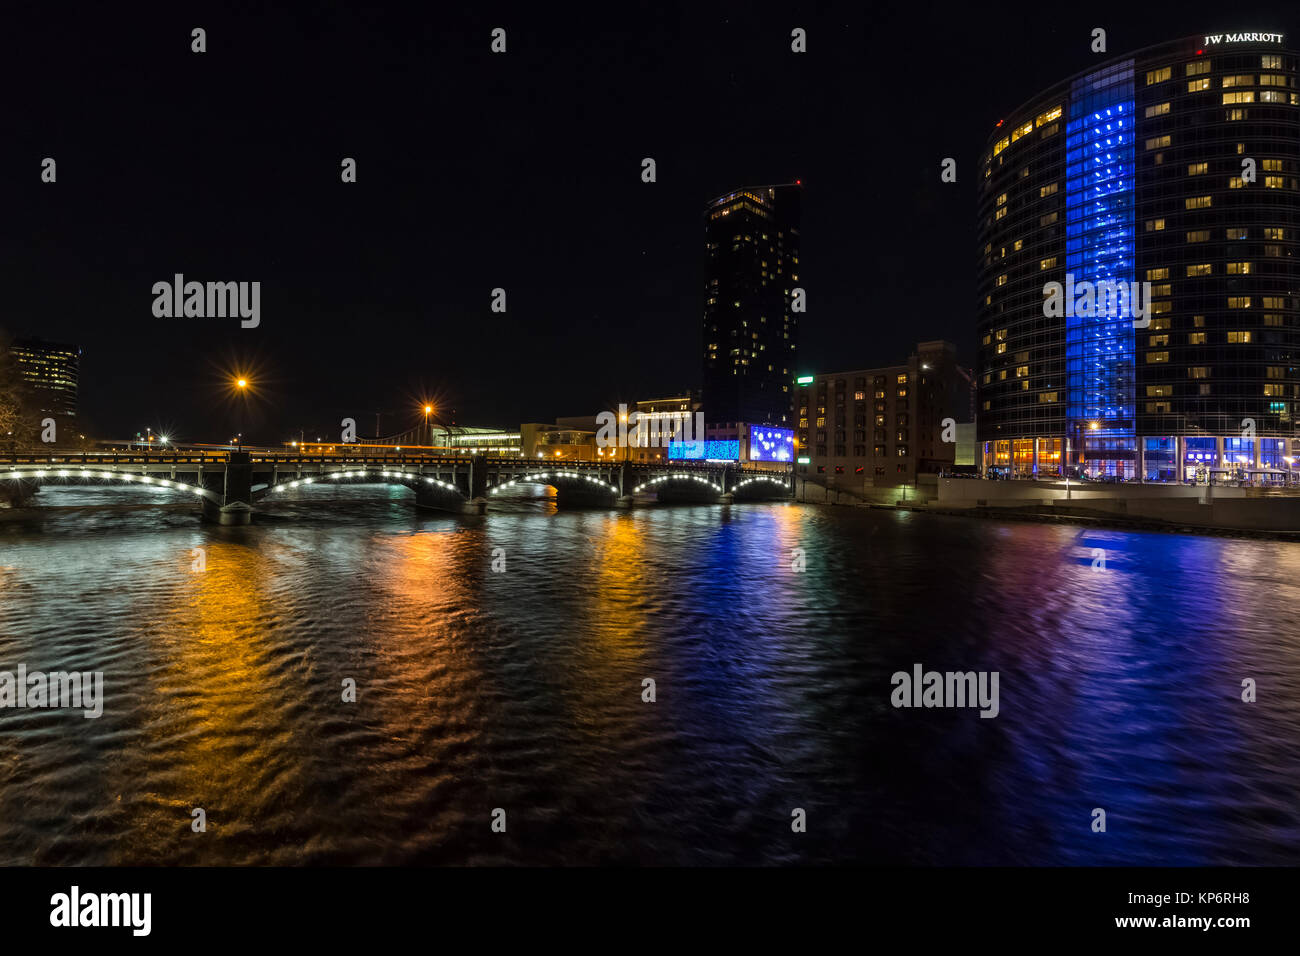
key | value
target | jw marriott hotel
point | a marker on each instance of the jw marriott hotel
(1174, 166)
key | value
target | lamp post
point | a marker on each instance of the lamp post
(241, 384)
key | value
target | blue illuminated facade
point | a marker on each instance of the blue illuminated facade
(711, 450)
(1099, 247)
(771, 444)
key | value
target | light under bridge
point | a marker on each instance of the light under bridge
(230, 486)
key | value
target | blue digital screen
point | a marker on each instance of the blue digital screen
(770, 444)
(728, 450)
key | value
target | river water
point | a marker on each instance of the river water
(522, 688)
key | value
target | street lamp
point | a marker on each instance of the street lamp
(428, 436)
(241, 386)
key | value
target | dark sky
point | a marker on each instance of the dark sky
(477, 170)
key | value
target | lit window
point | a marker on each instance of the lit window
(1239, 338)
(1155, 358)
(1195, 338)
(1158, 142)
(1239, 302)
(1047, 190)
(1239, 268)
(1243, 96)
(1154, 225)
(1197, 68)
(1160, 109)
(1196, 169)
(1195, 86)
(1240, 79)
(1203, 269)
(1198, 202)
(1047, 263)
(1160, 75)
(1200, 235)
(1154, 274)
(1044, 118)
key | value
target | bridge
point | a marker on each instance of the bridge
(230, 485)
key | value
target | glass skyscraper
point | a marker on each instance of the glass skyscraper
(1172, 172)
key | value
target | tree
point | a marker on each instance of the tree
(18, 427)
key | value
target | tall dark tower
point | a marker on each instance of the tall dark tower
(751, 240)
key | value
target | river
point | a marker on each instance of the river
(520, 687)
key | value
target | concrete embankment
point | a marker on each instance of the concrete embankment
(1172, 508)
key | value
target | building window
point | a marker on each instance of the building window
(1158, 142)
(1198, 202)
(1239, 338)
(1195, 86)
(1201, 269)
(1160, 75)
(1197, 68)
(1197, 169)
(1160, 109)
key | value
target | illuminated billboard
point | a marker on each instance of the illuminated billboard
(770, 444)
(704, 450)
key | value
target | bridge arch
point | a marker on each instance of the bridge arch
(416, 482)
(761, 486)
(91, 477)
(679, 480)
(571, 487)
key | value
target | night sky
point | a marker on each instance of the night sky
(477, 170)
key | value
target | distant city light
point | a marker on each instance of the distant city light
(805, 379)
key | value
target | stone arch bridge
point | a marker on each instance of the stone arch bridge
(231, 485)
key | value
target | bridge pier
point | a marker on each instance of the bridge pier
(236, 507)
(18, 494)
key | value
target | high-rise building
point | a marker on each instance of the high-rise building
(49, 374)
(881, 427)
(1174, 166)
(751, 239)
